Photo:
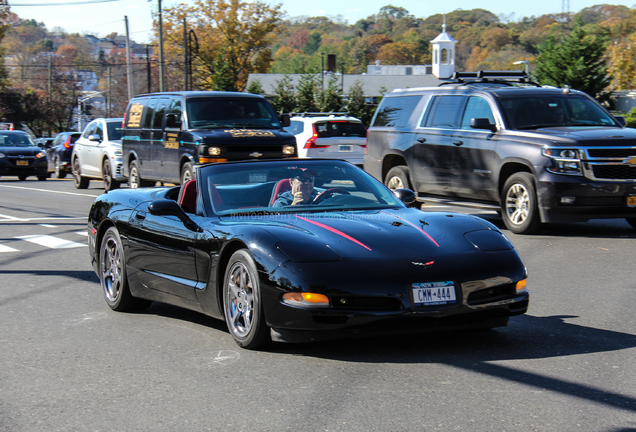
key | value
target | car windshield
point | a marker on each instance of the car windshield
(290, 186)
(15, 140)
(231, 112)
(550, 110)
(114, 130)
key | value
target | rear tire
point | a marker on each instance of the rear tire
(59, 172)
(519, 208)
(187, 173)
(397, 178)
(109, 183)
(80, 182)
(112, 275)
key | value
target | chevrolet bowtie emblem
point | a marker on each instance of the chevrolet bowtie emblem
(256, 154)
(630, 161)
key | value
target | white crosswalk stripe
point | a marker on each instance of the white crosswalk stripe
(51, 241)
(4, 248)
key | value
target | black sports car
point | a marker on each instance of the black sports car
(302, 249)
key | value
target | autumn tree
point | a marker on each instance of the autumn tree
(577, 60)
(230, 32)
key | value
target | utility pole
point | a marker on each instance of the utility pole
(185, 54)
(162, 84)
(128, 62)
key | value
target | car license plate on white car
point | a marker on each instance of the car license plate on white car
(434, 293)
(345, 148)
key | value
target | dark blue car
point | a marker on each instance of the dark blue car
(19, 156)
(59, 154)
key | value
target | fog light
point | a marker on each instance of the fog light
(567, 200)
(289, 149)
(214, 151)
(312, 300)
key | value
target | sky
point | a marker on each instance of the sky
(101, 17)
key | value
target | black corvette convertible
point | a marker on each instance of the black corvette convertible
(301, 250)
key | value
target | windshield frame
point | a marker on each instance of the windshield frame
(367, 193)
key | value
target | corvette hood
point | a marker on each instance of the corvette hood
(391, 233)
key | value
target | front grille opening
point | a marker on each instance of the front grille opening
(492, 294)
(366, 303)
(623, 172)
(612, 152)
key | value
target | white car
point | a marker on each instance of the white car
(97, 154)
(329, 135)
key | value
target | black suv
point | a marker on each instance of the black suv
(540, 154)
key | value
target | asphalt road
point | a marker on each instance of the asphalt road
(69, 363)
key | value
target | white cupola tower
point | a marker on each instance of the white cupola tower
(443, 54)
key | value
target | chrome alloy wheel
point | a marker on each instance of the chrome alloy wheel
(111, 270)
(517, 203)
(240, 300)
(394, 183)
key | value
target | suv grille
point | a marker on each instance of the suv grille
(620, 172)
(609, 163)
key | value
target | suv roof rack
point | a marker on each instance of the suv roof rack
(318, 114)
(507, 78)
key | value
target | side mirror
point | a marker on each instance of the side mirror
(94, 137)
(165, 207)
(407, 196)
(172, 121)
(621, 120)
(285, 120)
(482, 123)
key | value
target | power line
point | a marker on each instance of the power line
(64, 3)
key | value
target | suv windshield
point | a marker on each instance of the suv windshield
(231, 112)
(16, 140)
(114, 130)
(537, 111)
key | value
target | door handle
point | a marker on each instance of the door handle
(458, 142)
(421, 140)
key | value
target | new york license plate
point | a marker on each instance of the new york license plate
(434, 293)
(22, 163)
(631, 201)
(345, 148)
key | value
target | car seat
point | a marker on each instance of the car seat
(283, 185)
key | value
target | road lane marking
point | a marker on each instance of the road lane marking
(48, 226)
(46, 190)
(4, 248)
(5, 218)
(51, 241)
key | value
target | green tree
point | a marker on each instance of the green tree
(284, 96)
(331, 100)
(357, 105)
(307, 93)
(577, 60)
(255, 87)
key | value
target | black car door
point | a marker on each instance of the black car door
(161, 253)
(474, 156)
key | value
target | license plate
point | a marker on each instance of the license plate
(345, 148)
(22, 163)
(631, 201)
(434, 293)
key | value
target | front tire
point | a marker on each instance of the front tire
(519, 208)
(112, 275)
(109, 183)
(134, 178)
(80, 182)
(242, 302)
(397, 178)
(187, 173)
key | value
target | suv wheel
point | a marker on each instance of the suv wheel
(519, 208)
(59, 172)
(109, 183)
(80, 182)
(397, 178)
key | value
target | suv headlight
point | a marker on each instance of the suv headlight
(564, 160)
